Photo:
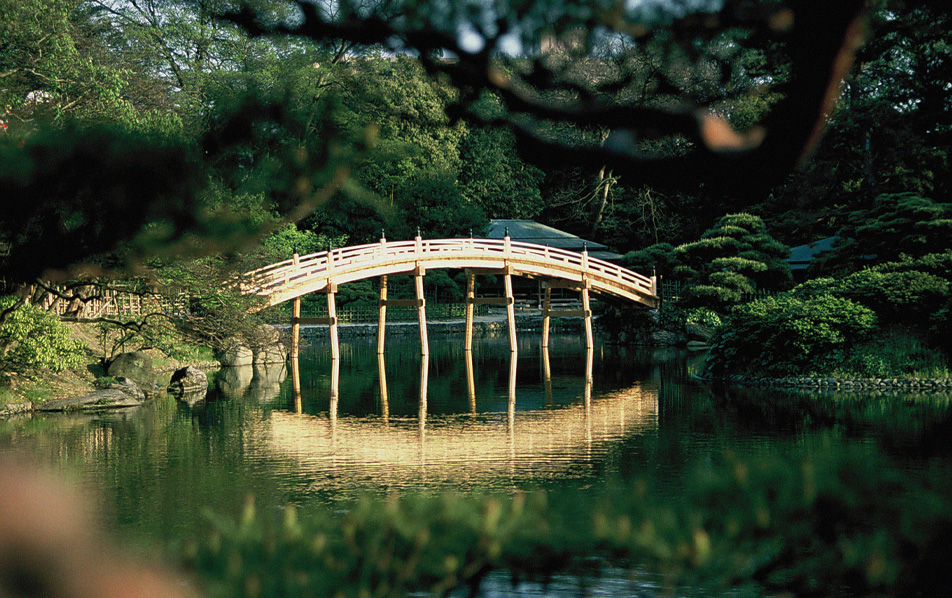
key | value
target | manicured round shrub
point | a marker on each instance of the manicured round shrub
(788, 335)
(734, 258)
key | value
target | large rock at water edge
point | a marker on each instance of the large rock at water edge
(268, 335)
(129, 387)
(188, 384)
(110, 398)
(236, 356)
(272, 354)
(136, 366)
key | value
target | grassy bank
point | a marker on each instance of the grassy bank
(73, 365)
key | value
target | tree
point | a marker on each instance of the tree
(55, 64)
(897, 225)
(819, 42)
(890, 132)
(735, 257)
(493, 177)
(683, 139)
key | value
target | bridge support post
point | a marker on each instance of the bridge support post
(546, 305)
(470, 382)
(421, 309)
(587, 308)
(510, 310)
(295, 327)
(384, 396)
(295, 352)
(583, 288)
(332, 317)
(382, 318)
(296, 384)
(470, 307)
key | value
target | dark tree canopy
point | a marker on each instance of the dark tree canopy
(672, 97)
(576, 64)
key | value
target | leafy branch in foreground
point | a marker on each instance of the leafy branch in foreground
(770, 524)
(540, 89)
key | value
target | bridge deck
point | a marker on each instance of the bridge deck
(302, 275)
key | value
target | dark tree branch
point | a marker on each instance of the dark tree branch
(821, 40)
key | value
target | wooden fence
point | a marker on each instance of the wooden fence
(369, 314)
(96, 302)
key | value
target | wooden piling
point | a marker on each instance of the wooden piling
(384, 395)
(587, 308)
(546, 317)
(470, 381)
(382, 318)
(510, 310)
(421, 309)
(334, 400)
(295, 328)
(332, 319)
(296, 384)
(511, 408)
(470, 308)
(424, 377)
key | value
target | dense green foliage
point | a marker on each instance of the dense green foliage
(787, 335)
(889, 133)
(897, 225)
(898, 298)
(769, 524)
(791, 334)
(32, 340)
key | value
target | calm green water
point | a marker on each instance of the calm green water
(568, 419)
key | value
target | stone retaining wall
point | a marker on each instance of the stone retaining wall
(920, 385)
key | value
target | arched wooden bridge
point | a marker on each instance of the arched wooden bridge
(321, 272)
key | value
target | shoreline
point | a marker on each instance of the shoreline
(806, 383)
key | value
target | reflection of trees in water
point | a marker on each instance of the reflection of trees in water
(913, 424)
(154, 467)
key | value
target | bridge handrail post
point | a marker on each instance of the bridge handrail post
(296, 262)
(584, 257)
(506, 244)
(418, 242)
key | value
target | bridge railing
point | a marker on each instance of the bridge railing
(344, 259)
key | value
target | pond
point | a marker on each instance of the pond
(564, 418)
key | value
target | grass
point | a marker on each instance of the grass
(896, 354)
(7, 396)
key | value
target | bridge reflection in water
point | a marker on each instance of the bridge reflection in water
(460, 449)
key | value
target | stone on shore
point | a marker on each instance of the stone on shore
(110, 398)
(136, 366)
(236, 356)
(271, 354)
(188, 384)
